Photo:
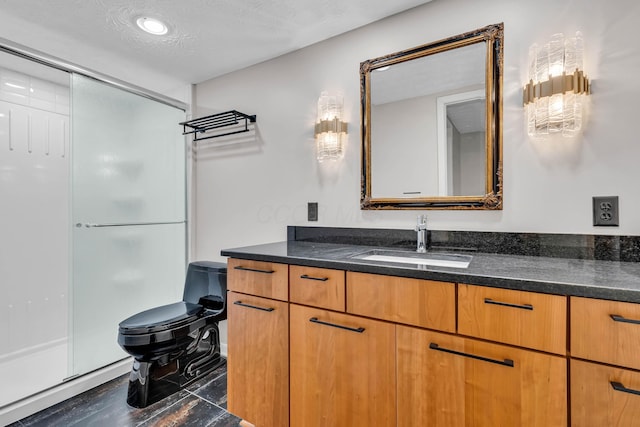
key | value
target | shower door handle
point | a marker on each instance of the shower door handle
(91, 225)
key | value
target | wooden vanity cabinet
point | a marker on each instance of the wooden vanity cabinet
(258, 343)
(321, 347)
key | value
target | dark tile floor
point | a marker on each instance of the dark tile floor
(201, 404)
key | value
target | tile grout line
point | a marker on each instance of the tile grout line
(219, 376)
(208, 401)
(219, 417)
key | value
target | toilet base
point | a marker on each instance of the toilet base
(152, 381)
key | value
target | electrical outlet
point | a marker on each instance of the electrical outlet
(605, 211)
(312, 211)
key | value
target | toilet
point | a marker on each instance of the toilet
(176, 344)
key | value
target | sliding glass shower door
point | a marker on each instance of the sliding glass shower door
(128, 215)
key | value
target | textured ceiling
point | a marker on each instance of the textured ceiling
(206, 38)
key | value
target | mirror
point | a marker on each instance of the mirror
(432, 125)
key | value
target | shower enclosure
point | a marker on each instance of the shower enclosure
(92, 220)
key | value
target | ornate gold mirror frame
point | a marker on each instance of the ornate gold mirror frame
(493, 37)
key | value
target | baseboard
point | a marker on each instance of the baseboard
(45, 399)
(223, 349)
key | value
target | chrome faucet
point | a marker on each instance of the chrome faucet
(421, 228)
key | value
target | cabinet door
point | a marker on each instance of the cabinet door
(604, 396)
(258, 360)
(342, 370)
(449, 381)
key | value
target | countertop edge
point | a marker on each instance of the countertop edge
(496, 281)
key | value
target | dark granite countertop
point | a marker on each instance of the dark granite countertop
(613, 280)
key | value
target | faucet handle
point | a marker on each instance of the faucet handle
(422, 222)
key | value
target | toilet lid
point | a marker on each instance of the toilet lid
(160, 318)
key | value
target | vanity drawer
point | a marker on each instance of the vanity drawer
(416, 302)
(526, 319)
(318, 287)
(606, 331)
(603, 395)
(265, 279)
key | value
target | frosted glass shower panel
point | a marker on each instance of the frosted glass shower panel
(133, 156)
(128, 204)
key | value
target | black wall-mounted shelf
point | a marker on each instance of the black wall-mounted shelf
(200, 127)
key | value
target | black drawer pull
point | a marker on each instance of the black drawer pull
(617, 318)
(254, 270)
(506, 304)
(315, 320)
(505, 362)
(240, 303)
(619, 387)
(320, 279)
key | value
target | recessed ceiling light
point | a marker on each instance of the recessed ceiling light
(152, 26)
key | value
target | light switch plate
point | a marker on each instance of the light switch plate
(605, 211)
(312, 211)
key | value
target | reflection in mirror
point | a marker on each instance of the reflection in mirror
(431, 125)
(461, 139)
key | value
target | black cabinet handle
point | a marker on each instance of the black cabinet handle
(315, 320)
(321, 279)
(617, 318)
(619, 387)
(505, 362)
(254, 270)
(506, 304)
(240, 303)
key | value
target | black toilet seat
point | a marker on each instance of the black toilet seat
(162, 323)
(161, 318)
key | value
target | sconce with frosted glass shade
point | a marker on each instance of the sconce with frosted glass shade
(330, 130)
(554, 97)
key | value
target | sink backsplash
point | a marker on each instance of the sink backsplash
(578, 246)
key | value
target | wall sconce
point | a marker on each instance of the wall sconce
(330, 130)
(554, 96)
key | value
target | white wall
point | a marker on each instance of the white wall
(248, 193)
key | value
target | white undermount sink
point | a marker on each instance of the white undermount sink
(430, 258)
